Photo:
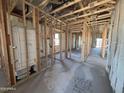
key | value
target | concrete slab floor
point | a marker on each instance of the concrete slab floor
(70, 77)
(3, 81)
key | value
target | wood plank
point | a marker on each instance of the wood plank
(26, 39)
(37, 33)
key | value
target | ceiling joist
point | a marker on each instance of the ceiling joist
(98, 18)
(90, 14)
(87, 8)
(41, 5)
(65, 6)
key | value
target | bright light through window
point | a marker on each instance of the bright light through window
(57, 42)
(98, 42)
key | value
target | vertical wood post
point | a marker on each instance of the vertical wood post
(104, 36)
(37, 33)
(26, 40)
(83, 56)
(66, 42)
(46, 47)
(77, 40)
(52, 42)
(6, 29)
(61, 42)
(70, 45)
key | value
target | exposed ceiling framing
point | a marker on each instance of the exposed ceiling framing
(75, 11)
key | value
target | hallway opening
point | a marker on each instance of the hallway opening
(61, 46)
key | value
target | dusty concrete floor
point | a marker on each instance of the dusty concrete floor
(70, 77)
(3, 81)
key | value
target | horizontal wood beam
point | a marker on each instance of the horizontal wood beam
(45, 2)
(80, 24)
(46, 14)
(98, 18)
(65, 6)
(76, 28)
(77, 31)
(90, 14)
(101, 21)
(86, 8)
(42, 5)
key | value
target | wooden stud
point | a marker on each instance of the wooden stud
(61, 43)
(77, 40)
(12, 67)
(104, 36)
(6, 30)
(83, 43)
(37, 33)
(70, 45)
(26, 40)
(46, 47)
(66, 42)
(52, 42)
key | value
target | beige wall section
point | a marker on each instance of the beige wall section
(116, 49)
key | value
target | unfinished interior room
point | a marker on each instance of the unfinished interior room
(61, 46)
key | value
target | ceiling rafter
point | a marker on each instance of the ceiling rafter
(41, 5)
(97, 21)
(87, 8)
(65, 6)
(89, 14)
(98, 18)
